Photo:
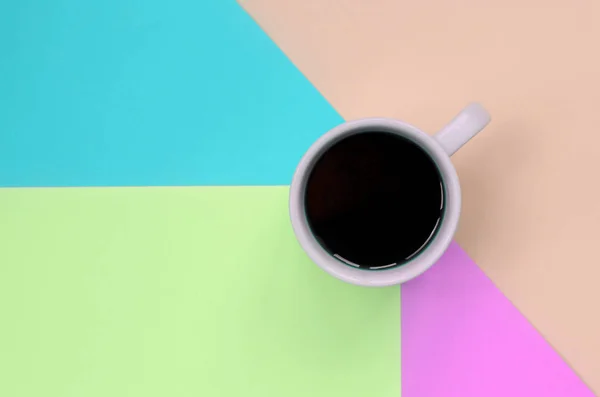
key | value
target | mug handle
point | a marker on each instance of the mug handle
(463, 127)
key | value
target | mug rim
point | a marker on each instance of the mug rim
(397, 274)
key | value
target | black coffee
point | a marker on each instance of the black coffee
(374, 200)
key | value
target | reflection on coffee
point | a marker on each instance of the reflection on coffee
(374, 200)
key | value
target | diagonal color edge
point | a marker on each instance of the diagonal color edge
(461, 337)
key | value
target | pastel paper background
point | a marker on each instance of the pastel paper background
(530, 216)
(123, 92)
(462, 338)
(112, 291)
(197, 291)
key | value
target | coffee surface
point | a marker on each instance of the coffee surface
(374, 200)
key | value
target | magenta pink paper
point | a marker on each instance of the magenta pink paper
(462, 338)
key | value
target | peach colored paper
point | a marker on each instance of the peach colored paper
(530, 218)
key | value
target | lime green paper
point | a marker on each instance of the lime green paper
(180, 292)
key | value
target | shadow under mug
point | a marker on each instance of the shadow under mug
(439, 147)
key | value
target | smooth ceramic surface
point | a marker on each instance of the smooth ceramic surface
(440, 147)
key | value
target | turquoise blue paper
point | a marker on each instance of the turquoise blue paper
(124, 92)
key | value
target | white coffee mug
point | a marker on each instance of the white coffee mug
(439, 147)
